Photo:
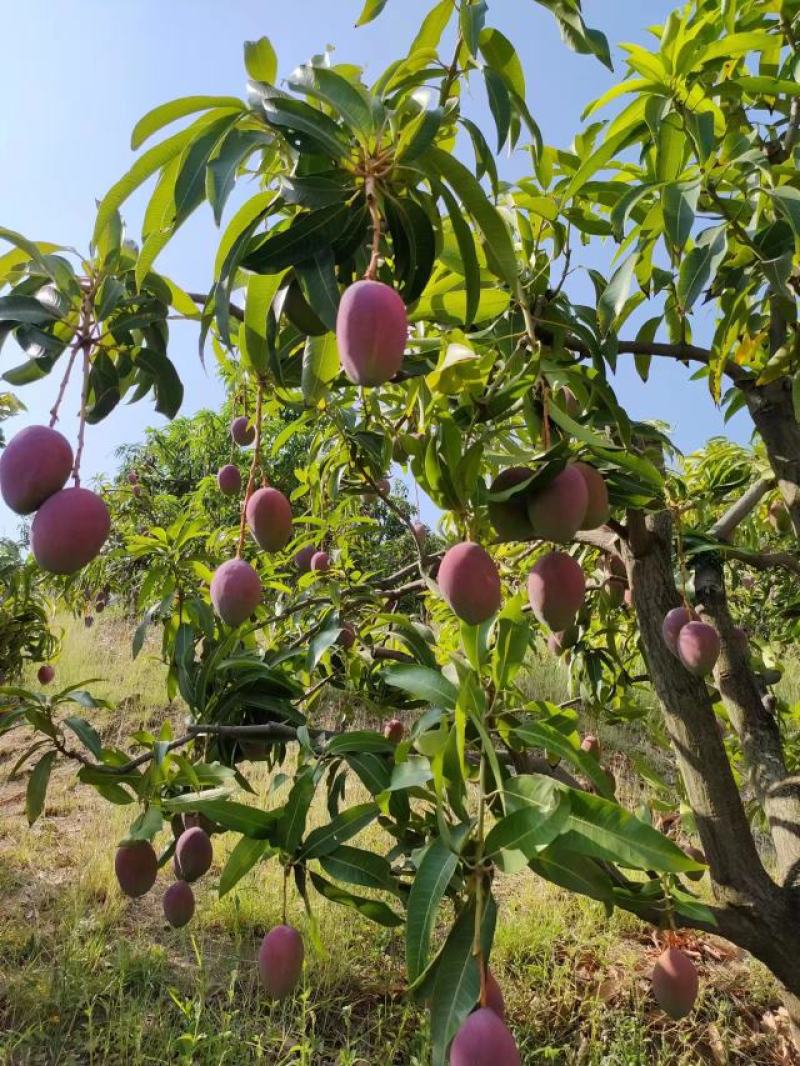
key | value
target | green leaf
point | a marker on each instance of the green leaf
(221, 171)
(422, 683)
(354, 866)
(488, 220)
(308, 234)
(359, 741)
(292, 823)
(469, 256)
(535, 734)
(261, 291)
(249, 214)
(241, 861)
(27, 309)
(499, 104)
(86, 733)
(371, 10)
(679, 203)
(249, 821)
(187, 105)
(261, 60)
(351, 103)
(576, 873)
(787, 202)
(37, 786)
(373, 909)
(432, 28)
(320, 367)
(456, 981)
(500, 55)
(142, 169)
(597, 160)
(603, 830)
(451, 308)
(525, 832)
(615, 294)
(327, 838)
(305, 127)
(25, 249)
(317, 278)
(471, 19)
(700, 265)
(427, 891)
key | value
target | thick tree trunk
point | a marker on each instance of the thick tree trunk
(757, 728)
(755, 913)
(772, 411)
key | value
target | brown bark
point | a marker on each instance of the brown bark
(772, 411)
(753, 911)
(776, 791)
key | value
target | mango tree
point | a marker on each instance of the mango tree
(388, 296)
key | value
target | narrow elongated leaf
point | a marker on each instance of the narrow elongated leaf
(787, 202)
(576, 873)
(293, 820)
(348, 100)
(430, 884)
(541, 735)
(370, 11)
(86, 733)
(374, 909)
(317, 277)
(308, 234)
(320, 366)
(147, 164)
(305, 127)
(615, 294)
(249, 214)
(27, 309)
(487, 218)
(247, 854)
(249, 821)
(456, 981)
(679, 204)
(354, 866)
(597, 160)
(423, 684)
(221, 170)
(432, 28)
(525, 832)
(37, 786)
(499, 104)
(327, 838)
(469, 256)
(603, 830)
(700, 265)
(261, 291)
(164, 114)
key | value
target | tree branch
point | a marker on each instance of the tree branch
(738, 511)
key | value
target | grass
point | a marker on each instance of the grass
(88, 977)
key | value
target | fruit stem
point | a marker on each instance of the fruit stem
(477, 942)
(63, 386)
(255, 465)
(375, 215)
(76, 470)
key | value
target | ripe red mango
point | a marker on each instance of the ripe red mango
(302, 559)
(68, 530)
(269, 516)
(484, 1040)
(469, 581)
(558, 510)
(178, 904)
(243, 432)
(280, 961)
(193, 854)
(556, 589)
(229, 479)
(320, 562)
(45, 674)
(598, 509)
(136, 867)
(698, 648)
(371, 332)
(510, 517)
(235, 591)
(35, 464)
(675, 983)
(673, 623)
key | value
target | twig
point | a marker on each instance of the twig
(76, 470)
(64, 382)
(738, 511)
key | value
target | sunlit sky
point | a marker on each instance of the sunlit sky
(76, 77)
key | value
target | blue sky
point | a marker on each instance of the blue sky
(76, 77)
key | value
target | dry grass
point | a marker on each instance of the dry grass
(87, 976)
